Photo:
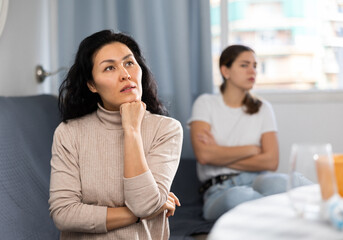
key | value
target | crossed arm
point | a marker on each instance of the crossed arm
(243, 158)
(135, 164)
(122, 216)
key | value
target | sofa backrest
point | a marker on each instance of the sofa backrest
(186, 184)
(27, 125)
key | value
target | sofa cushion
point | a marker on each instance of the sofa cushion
(27, 125)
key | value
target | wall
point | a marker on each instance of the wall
(29, 38)
(312, 117)
(26, 41)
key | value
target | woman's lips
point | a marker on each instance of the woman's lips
(127, 88)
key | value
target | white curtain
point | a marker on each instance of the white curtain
(174, 35)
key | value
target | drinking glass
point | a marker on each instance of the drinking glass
(311, 179)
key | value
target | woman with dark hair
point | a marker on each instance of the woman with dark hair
(234, 138)
(115, 155)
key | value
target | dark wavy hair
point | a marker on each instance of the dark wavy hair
(229, 55)
(75, 98)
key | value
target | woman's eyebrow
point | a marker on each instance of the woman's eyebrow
(127, 56)
(107, 61)
(246, 61)
(113, 61)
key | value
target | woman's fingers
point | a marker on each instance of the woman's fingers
(133, 106)
(170, 208)
(209, 137)
(206, 137)
(177, 201)
(203, 138)
(132, 114)
(171, 203)
(208, 134)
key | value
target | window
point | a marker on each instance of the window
(298, 43)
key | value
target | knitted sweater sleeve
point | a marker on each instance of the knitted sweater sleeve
(146, 193)
(66, 207)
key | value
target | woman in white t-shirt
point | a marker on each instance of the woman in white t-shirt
(234, 137)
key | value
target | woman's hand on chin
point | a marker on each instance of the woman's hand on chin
(132, 114)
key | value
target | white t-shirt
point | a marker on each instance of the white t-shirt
(230, 127)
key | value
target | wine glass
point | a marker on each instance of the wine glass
(310, 170)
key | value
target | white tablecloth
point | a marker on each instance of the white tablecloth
(270, 218)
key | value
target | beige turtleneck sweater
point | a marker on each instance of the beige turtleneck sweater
(87, 168)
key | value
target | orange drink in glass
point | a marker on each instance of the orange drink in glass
(338, 166)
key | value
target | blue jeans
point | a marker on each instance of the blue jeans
(247, 186)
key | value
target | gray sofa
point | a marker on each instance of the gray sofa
(27, 125)
(187, 223)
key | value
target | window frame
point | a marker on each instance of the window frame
(279, 95)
